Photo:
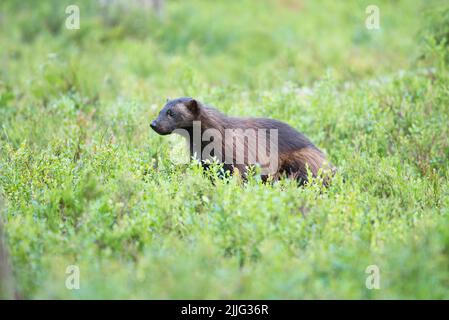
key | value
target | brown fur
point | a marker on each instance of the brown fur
(296, 153)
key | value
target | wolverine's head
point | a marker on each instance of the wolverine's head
(176, 114)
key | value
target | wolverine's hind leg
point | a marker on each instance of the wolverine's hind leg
(299, 163)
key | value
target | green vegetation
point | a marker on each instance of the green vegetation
(84, 181)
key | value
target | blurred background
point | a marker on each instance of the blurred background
(175, 46)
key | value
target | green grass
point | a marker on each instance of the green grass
(84, 181)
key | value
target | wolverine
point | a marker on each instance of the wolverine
(239, 143)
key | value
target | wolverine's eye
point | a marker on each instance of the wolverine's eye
(170, 113)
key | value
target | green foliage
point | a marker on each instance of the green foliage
(85, 181)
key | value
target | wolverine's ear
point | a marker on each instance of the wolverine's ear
(193, 106)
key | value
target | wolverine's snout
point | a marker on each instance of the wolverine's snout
(158, 128)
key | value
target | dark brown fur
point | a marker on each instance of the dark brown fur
(296, 154)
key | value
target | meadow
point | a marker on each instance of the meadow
(85, 182)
